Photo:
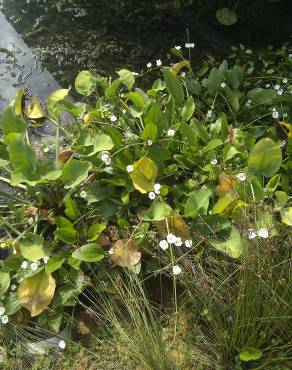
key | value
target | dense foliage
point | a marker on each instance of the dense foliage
(196, 168)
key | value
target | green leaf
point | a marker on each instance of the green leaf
(145, 171)
(111, 90)
(197, 202)
(85, 83)
(212, 145)
(4, 282)
(33, 247)
(53, 98)
(188, 109)
(65, 230)
(230, 242)
(65, 105)
(91, 252)
(71, 210)
(157, 212)
(286, 215)
(214, 81)
(200, 130)
(55, 320)
(63, 295)
(250, 191)
(23, 159)
(94, 231)
(11, 304)
(233, 97)
(11, 122)
(250, 354)
(54, 263)
(173, 86)
(265, 158)
(282, 198)
(74, 172)
(150, 132)
(127, 78)
(17, 102)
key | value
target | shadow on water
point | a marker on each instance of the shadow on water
(70, 35)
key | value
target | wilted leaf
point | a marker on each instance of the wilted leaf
(34, 110)
(126, 253)
(65, 155)
(176, 225)
(226, 184)
(36, 293)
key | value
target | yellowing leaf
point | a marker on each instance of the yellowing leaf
(176, 226)
(126, 253)
(178, 66)
(34, 110)
(286, 214)
(226, 184)
(36, 293)
(145, 171)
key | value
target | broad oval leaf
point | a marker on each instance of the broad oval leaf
(91, 252)
(85, 83)
(226, 16)
(127, 78)
(126, 253)
(36, 292)
(174, 224)
(4, 282)
(265, 158)
(53, 98)
(157, 212)
(250, 354)
(145, 171)
(74, 172)
(286, 215)
(229, 243)
(12, 123)
(33, 247)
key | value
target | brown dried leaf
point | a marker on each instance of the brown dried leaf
(176, 226)
(226, 184)
(126, 253)
(65, 154)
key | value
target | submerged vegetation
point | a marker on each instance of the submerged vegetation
(158, 220)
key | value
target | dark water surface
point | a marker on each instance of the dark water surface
(71, 35)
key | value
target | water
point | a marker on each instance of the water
(71, 35)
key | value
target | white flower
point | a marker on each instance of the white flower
(158, 62)
(2, 310)
(46, 149)
(171, 238)
(62, 344)
(24, 264)
(267, 85)
(209, 113)
(214, 161)
(46, 259)
(188, 243)
(183, 74)
(177, 47)
(251, 234)
(263, 232)
(277, 87)
(128, 134)
(285, 80)
(163, 244)
(189, 45)
(149, 142)
(275, 114)
(170, 132)
(280, 92)
(176, 270)
(157, 188)
(290, 56)
(149, 65)
(111, 251)
(223, 84)
(107, 162)
(4, 319)
(105, 157)
(151, 195)
(83, 194)
(178, 242)
(130, 168)
(34, 266)
(13, 287)
(113, 118)
(241, 176)
(135, 73)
